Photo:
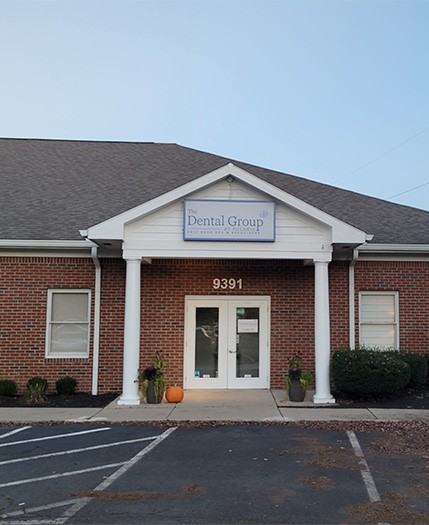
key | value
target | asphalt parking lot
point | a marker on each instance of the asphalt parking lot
(133, 474)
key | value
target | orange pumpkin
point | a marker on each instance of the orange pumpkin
(174, 394)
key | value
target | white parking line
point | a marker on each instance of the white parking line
(30, 522)
(58, 436)
(76, 450)
(61, 475)
(49, 506)
(366, 473)
(12, 432)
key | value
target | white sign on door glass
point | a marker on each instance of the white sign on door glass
(221, 220)
(247, 326)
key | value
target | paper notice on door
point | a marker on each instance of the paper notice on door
(247, 326)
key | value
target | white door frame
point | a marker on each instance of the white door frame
(227, 341)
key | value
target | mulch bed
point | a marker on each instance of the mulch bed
(79, 400)
(417, 399)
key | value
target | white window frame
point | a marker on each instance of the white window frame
(49, 323)
(395, 323)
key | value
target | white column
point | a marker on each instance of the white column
(322, 333)
(130, 385)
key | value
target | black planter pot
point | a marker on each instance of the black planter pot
(296, 392)
(153, 397)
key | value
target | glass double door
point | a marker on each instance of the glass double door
(226, 342)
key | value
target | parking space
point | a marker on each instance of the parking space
(46, 468)
(242, 474)
(222, 474)
(399, 464)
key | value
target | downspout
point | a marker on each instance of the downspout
(352, 342)
(96, 333)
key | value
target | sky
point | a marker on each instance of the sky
(332, 91)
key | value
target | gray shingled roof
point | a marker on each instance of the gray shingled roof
(51, 189)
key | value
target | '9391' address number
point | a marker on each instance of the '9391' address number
(227, 284)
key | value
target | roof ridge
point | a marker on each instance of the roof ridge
(80, 141)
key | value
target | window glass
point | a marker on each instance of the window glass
(68, 324)
(69, 307)
(247, 338)
(206, 342)
(378, 308)
(378, 319)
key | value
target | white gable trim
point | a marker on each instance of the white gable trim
(59, 244)
(113, 228)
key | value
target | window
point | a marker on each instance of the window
(378, 317)
(67, 331)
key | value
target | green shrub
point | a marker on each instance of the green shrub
(8, 387)
(66, 385)
(418, 367)
(40, 382)
(365, 372)
(35, 394)
(427, 362)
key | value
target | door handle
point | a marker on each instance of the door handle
(232, 351)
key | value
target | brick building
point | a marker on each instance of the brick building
(110, 252)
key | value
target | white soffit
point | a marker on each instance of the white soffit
(113, 228)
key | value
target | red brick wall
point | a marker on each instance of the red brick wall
(24, 284)
(339, 304)
(411, 280)
(165, 283)
(111, 325)
(290, 285)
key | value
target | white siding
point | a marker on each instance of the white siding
(161, 232)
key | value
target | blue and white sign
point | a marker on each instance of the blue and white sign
(229, 220)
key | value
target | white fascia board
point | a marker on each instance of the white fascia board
(229, 254)
(394, 248)
(341, 231)
(113, 228)
(46, 244)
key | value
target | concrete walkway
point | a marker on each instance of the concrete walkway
(213, 405)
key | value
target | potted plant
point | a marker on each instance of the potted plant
(297, 380)
(151, 379)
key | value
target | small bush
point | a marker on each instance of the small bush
(35, 394)
(418, 367)
(427, 362)
(366, 372)
(39, 382)
(66, 386)
(8, 387)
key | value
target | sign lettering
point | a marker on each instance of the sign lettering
(220, 220)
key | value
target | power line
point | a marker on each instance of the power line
(382, 155)
(408, 191)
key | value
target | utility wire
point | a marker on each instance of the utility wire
(382, 155)
(408, 191)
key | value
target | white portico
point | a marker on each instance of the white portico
(156, 230)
